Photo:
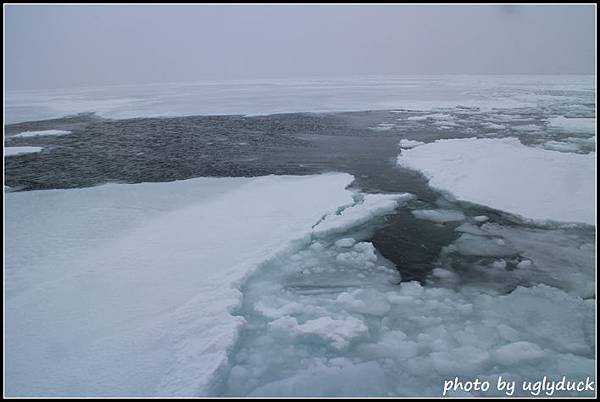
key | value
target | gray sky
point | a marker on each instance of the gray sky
(69, 46)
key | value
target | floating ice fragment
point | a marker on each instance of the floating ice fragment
(41, 133)
(12, 151)
(468, 244)
(439, 215)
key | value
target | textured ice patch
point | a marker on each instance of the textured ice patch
(332, 310)
(527, 128)
(518, 353)
(498, 258)
(433, 116)
(382, 127)
(364, 302)
(469, 244)
(494, 126)
(575, 125)
(507, 175)
(570, 144)
(560, 146)
(338, 332)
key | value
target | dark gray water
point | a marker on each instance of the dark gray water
(364, 144)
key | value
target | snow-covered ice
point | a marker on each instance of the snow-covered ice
(268, 286)
(132, 285)
(362, 211)
(252, 97)
(26, 134)
(509, 176)
(12, 151)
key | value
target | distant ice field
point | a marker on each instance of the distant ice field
(261, 97)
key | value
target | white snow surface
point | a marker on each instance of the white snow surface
(129, 289)
(504, 174)
(12, 151)
(26, 134)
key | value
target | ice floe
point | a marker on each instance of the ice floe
(369, 206)
(12, 151)
(439, 215)
(507, 175)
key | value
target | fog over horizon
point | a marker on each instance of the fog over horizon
(76, 46)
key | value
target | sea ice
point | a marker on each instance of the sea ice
(494, 126)
(404, 143)
(573, 125)
(439, 215)
(262, 96)
(369, 206)
(132, 285)
(26, 134)
(562, 146)
(345, 242)
(507, 175)
(12, 151)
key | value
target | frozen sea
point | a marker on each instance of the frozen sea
(364, 236)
